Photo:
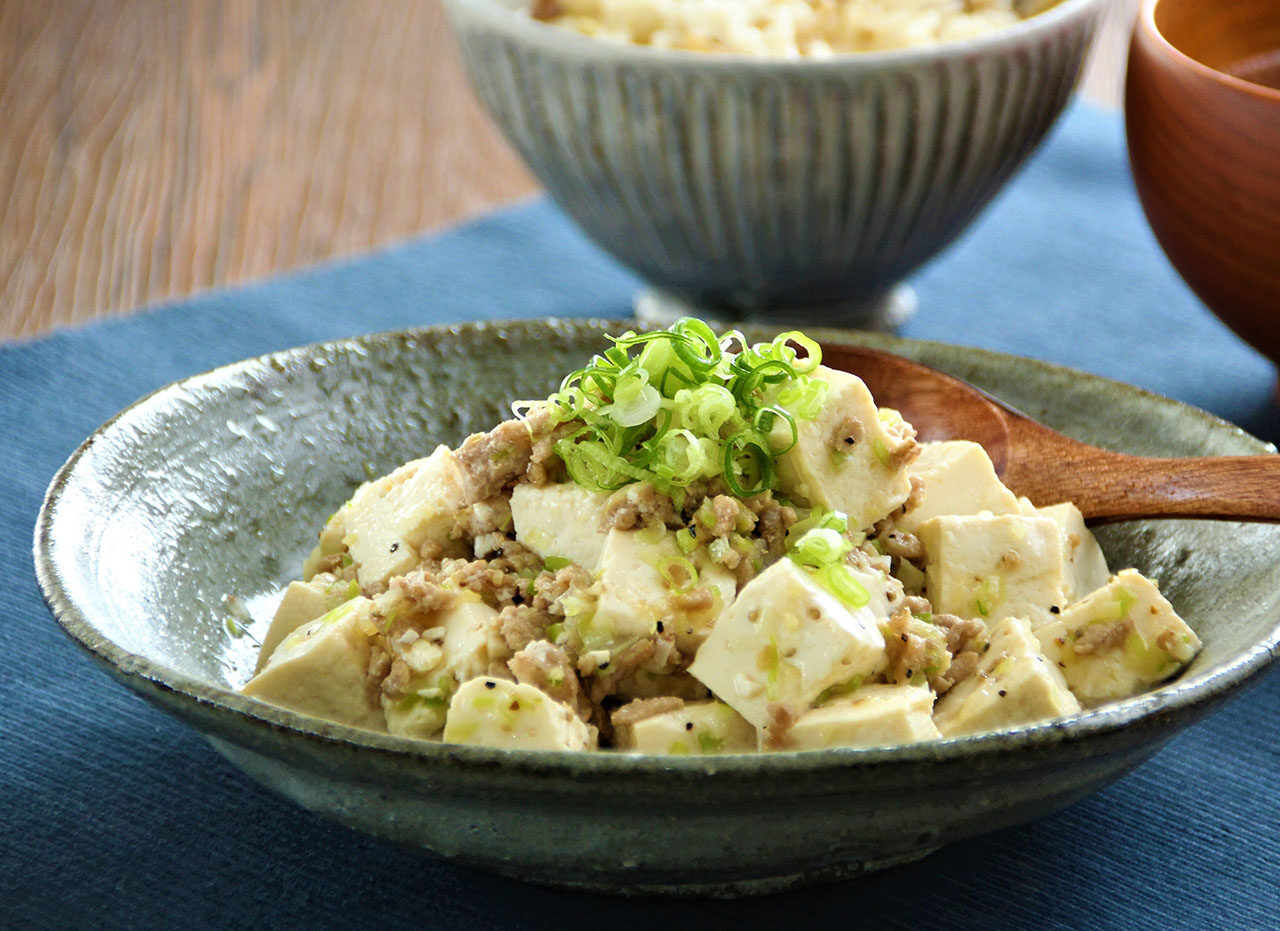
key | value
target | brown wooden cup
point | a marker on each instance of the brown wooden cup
(1202, 105)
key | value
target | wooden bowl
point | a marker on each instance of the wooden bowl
(1202, 107)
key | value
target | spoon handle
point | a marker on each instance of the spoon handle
(1117, 487)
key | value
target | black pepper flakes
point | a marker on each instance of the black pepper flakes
(688, 725)
(1002, 693)
(1054, 609)
(660, 627)
(490, 684)
(395, 546)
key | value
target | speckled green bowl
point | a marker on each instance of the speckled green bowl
(212, 488)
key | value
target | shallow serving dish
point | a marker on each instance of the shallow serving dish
(204, 496)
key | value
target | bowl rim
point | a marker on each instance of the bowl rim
(511, 22)
(1147, 24)
(155, 680)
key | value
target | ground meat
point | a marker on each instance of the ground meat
(550, 587)
(638, 505)
(721, 518)
(397, 681)
(963, 665)
(962, 633)
(1097, 638)
(545, 467)
(423, 591)
(481, 518)
(901, 444)
(773, 520)
(1010, 559)
(379, 664)
(605, 676)
(847, 434)
(523, 624)
(777, 726)
(495, 586)
(699, 599)
(545, 666)
(641, 708)
(907, 652)
(902, 545)
(546, 9)
(917, 605)
(492, 461)
(334, 565)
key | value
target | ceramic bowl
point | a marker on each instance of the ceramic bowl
(204, 498)
(749, 188)
(1202, 107)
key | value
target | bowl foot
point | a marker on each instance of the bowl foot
(884, 314)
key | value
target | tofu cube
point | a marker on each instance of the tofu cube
(873, 716)
(786, 639)
(389, 519)
(560, 521)
(957, 478)
(498, 713)
(1119, 640)
(457, 643)
(1085, 567)
(321, 669)
(845, 458)
(699, 728)
(644, 581)
(1014, 684)
(329, 542)
(992, 567)
(302, 602)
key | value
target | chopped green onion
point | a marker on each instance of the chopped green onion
(556, 563)
(709, 742)
(686, 541)
(882, 452)
(839, 580)
(679, 574)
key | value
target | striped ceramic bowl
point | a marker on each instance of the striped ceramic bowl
(769, 189)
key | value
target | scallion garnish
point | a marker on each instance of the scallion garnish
(676, 406)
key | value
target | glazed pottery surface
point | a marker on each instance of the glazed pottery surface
(202, 500)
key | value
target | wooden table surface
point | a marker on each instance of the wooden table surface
(152, 149)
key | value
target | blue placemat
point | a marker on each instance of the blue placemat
(111, 815)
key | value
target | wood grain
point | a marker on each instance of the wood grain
(1049, 468)
(153, 149)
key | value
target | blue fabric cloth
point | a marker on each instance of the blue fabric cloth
(112, 815)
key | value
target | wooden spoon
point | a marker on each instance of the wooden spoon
(1047, 467)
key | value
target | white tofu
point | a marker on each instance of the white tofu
(302, 602)
(498, 713)
(329, 542)
(699, 728)
(321, 669)
(843, 458)
(466, 639)
(786, 639)
(634, 597)
(1119, 640)
(560, 521)
(1014, 684)
(957, 478)
(1085, 567)
(387, 520)
(993, 567)
(873, 716)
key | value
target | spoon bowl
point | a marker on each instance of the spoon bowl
(1048, 467)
